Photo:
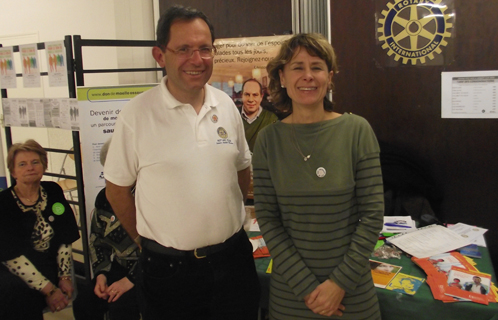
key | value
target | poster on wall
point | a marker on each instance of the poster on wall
(56, 62)
(239, 59)
(469, 94)
(30, 66)
(7, 68)
(99, 109)
(60, 113)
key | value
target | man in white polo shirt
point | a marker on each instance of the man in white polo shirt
(182, 144)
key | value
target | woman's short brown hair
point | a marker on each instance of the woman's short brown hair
(316, 45)
(29, 146)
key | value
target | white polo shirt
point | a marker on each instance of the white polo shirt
(184, 164)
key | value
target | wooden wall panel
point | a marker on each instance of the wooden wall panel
(403, 104)
(242, 18)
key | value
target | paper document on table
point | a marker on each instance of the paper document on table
(429, 241)
(473, 233)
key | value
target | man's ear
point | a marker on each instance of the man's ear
(158, 55)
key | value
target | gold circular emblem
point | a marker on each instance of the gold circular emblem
(222, 133)
(414, 29)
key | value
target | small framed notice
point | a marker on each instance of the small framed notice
(469, 94)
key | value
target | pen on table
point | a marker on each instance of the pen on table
(396, 225)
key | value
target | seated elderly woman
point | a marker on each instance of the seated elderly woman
(37, 228)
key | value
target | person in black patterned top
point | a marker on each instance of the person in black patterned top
(114, 257)
(37, 228)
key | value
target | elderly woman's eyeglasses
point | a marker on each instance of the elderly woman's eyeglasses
(187, 53)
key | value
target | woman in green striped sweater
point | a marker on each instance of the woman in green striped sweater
(318, 192)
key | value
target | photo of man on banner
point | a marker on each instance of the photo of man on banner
(240, 71)
(240, 59)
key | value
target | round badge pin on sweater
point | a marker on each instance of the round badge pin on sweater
(321, 172)
(58, 208)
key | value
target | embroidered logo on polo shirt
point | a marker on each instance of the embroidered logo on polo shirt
(214, 118)
(223, 134)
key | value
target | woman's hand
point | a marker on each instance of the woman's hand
(326, 299)
(118, 288)
(55, 299)
(66, 287)
(101, 287)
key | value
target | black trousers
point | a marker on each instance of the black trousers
(221, 286)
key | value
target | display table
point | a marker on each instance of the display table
(422, 305)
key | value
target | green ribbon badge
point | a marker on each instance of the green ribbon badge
(58, 208)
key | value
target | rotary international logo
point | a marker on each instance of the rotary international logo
(414, 29)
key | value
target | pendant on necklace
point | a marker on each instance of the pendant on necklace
(321, 172)
(307, 157)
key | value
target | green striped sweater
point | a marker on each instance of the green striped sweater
(319, 228)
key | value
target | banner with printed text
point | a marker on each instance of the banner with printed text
(240, 59)
(99, 109)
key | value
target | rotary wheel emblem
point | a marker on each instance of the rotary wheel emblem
(414, 29)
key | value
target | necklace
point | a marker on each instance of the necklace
(24, 197)
(296, 143)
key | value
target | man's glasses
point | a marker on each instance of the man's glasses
(187, 53)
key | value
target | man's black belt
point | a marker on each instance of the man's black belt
(198, 253)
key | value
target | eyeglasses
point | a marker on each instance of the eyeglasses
(187, 53)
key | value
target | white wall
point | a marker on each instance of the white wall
(32, 21)
(29, 21)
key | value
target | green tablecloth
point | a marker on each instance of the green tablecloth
(422, 305)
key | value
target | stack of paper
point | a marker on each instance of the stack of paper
(428, 241)
(398, 224)
(473, 233)
(450, 277)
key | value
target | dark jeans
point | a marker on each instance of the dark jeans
(222, 286)
(88, 306)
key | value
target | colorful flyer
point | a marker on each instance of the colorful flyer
(30, 66)
(469, 285)
(7, 68)
(56, 63)
(383, 273)
(405, 283)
